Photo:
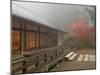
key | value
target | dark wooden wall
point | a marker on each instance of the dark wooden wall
(28, 36)
(34, 46)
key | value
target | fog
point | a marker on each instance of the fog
(58, 16)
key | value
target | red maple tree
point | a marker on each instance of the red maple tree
(81, 29)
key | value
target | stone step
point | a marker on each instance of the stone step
(73, 56)
(68, 55)
(91, 57)
(80, 58)
(86, 57)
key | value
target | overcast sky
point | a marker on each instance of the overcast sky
(58, 16)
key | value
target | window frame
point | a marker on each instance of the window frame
(44, 33)
(25, 30)
(14, 28)
(29, 49)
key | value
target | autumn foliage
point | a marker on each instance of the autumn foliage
(82, 33)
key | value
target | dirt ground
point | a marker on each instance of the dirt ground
(74, 65)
